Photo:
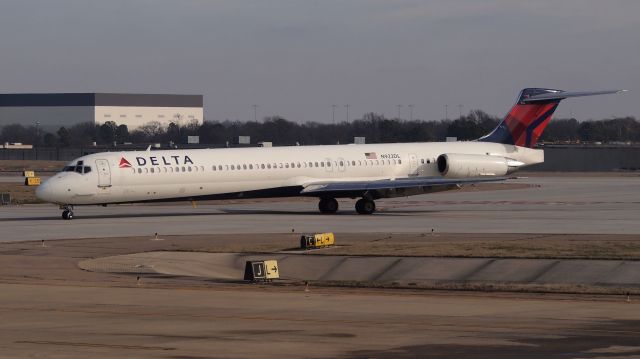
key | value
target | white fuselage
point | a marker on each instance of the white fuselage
(138, 176)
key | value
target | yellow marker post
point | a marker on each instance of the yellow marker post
(32, 181)
(271, 269)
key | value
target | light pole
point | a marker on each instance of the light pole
(399, 107)
(410, 112)
(347, 107)
(37, 133)
(333, 113)
(446, 112)
(255, 113)
(460, 111)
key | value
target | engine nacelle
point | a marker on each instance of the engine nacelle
(453, 165)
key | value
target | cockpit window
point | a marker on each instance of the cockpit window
(79, 168)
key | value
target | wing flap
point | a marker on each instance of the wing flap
(350, 186)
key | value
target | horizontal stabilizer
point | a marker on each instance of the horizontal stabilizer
(560, 95)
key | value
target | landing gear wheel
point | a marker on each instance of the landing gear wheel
(67, 214)
(328, 205)
(365, 206)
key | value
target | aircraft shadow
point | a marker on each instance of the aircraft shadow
(79, 215)
(221, 212)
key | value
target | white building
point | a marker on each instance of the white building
(53, 110)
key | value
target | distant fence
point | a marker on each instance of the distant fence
(46, 154)
(557, 158)
(589, 159)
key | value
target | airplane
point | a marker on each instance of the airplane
(365, 171)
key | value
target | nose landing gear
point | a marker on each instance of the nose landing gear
(67, 212)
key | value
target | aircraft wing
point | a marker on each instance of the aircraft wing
(385, 184)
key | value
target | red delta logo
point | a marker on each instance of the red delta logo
(124, 163)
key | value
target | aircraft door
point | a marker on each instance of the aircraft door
(104, 173)
(328, 165)
(413, 164)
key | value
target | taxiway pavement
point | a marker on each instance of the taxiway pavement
(589, 205)
(97, 322)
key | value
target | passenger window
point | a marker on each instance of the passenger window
(399, 162)
(250, 167)
(146, 170)
(220, 167)
(233, 167)
(353, 163)
(341, 163)
(151, 170)
(213, 167)
(184, 169)
(189, 168)
(244, 167)
(298, 164)
(428, 161)
(139, 170)
(293, 165)
(262, 166)
(328, 163)
(317, 164)
(286, 165)
(269, 165)
(321, 164)
(422, 160)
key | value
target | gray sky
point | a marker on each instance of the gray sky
(297, 58)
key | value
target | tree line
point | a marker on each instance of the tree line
(374, 127)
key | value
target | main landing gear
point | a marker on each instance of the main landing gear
(365, 206)
(67, 212)
(330, 206)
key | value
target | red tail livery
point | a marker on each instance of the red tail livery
(528, 118)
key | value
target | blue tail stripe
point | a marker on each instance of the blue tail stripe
(537, 123)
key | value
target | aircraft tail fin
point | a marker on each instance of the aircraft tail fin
(528, 118)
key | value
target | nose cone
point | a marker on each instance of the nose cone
(44, 192)
(51, 190)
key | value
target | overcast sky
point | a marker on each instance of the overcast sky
(297, 58)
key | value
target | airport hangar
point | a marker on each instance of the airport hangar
(50, 111)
